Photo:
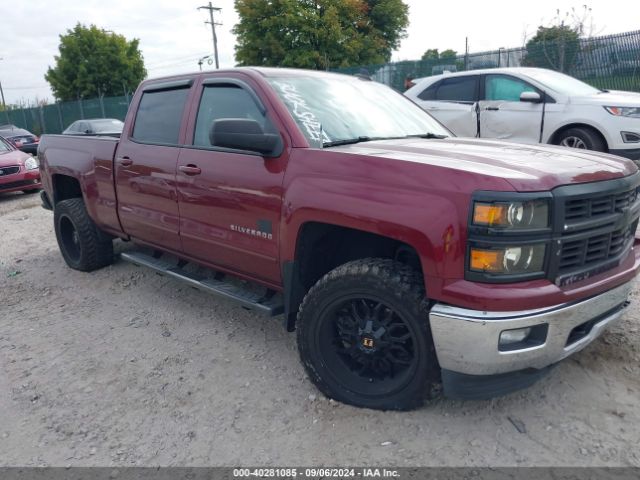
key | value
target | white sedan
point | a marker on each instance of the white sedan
(533, 105)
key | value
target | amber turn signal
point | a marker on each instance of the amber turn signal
(486, 260)
(490, 214)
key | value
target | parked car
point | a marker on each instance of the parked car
(18, 170)
(95, 126)
(19, 137)
(533, 105)
(401, 255)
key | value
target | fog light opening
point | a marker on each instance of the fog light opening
(521, 338)
(509, 337)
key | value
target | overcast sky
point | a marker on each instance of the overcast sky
(173, 35)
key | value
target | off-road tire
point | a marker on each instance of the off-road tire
(400, 288)
(83, 246)
(590, 138)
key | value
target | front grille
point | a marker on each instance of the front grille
(4, 171)
(588, 208)
(598, 228)
(596, 249)
(21, 183)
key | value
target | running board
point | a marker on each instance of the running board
(269, 303)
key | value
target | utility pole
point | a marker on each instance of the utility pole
(211, 9)
(4, 105)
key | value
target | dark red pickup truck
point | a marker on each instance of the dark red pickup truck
(402, 256)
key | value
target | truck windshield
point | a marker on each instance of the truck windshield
(336, 110)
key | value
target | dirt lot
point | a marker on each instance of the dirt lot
(124, 367)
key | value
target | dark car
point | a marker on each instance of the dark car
(96, 126)
(19, 137)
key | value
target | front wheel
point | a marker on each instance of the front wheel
(364, 338)
(83, 246)
(581, 138)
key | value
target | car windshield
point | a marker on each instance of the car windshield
(4, 146)
(331, 110)
(561, 83)
(107, 126)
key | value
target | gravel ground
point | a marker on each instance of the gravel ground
(124, 367)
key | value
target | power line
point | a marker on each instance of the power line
(213, 24)
(172, 60)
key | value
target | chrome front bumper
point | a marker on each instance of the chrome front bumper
(466, 341)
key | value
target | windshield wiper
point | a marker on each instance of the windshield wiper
(350, 141)
(347, 141)
(427, 135)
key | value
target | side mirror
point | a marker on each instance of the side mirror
(530, 97)
(244, 134)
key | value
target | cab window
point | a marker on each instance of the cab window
(225, 101)
(159, 116)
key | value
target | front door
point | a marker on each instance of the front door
(145, 167)
(504, 116)
(230, 201)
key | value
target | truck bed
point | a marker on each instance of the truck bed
(88, 159)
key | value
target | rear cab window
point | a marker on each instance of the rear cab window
(159, 116)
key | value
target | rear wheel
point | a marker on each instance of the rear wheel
(581, 138)
(83, 246)
(363, 336)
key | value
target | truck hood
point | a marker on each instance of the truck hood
(525, 167)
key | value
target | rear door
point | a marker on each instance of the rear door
(230, 200)
(145, 165)
(452, 101)
(503, 115)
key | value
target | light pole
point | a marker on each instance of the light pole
(201, 61)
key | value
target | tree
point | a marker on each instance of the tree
(446, 55)
(557, 45)
(94, 62)
(318, 34)
(449, 55)
(431, 54)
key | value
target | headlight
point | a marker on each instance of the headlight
(517, 260)
(31, 163)
(525, 215)
(624, 111)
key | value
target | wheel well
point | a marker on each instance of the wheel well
(554, 138)
(322, 247)
(65, 187)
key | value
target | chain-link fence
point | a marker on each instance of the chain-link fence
(58, 116)
(609, 62)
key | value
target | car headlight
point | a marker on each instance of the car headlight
(514, 215)
(513, 260)
(624, 111)
(31, 163)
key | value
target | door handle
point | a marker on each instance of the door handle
(492, 109)
(125, 161)
(190, 169)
